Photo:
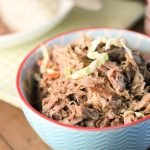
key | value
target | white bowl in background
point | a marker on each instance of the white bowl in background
(16, 39)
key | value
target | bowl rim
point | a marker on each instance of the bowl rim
(25, 102)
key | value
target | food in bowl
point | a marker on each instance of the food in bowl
(57, 135)
(93, 83)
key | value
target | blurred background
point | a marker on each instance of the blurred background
(25, 23)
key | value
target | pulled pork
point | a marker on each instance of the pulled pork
(116, 93)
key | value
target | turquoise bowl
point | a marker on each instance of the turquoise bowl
(134, 136)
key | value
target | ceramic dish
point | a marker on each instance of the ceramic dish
(15, 39)
(133, 136)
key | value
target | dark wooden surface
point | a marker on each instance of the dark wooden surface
(15, 132)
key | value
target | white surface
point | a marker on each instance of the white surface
(11, 40)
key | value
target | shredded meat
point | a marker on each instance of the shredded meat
(116, 78)
(129, 117)
(143, 103)
(115, 93)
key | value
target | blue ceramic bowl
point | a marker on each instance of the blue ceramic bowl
(134, 136)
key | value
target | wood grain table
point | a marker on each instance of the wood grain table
(16, 133)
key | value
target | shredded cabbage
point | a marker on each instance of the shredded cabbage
(113, 41)
(137, 114)
(127, 49)
(45, 59)
(119, 42)
(37, 77)
(99, 59)
(67, 71)
(103, 57)
(91, 53)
